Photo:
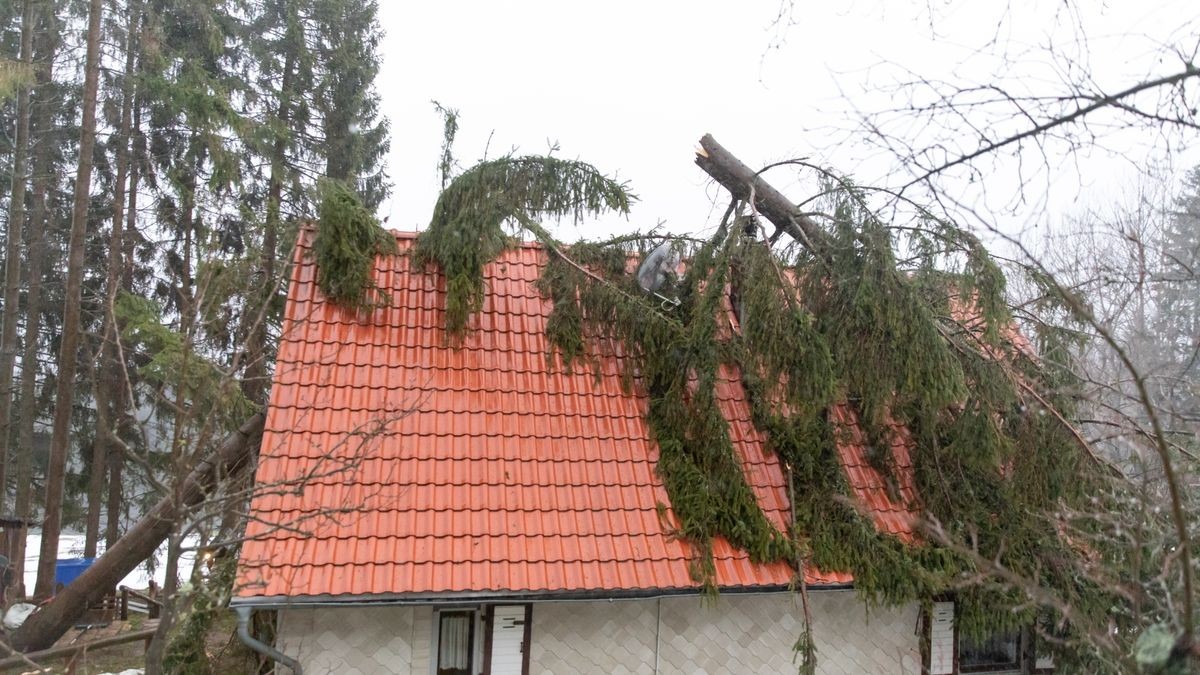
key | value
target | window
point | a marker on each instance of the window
(456, 643)
(488, 640)
(949, 652)
(999, 652)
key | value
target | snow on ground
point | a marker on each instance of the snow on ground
(71, 546)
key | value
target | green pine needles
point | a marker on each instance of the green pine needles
(349, 237)
(918, 344)
(469, 220)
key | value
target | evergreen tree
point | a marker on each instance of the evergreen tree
(72, 332)
(355, 139)
(108, 385)
(283, 76)
(199, 144)
(12, 247)
(1177, 316)
(50, 137)
(210, 115)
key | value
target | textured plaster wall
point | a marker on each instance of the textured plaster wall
(593, 637)
(740, 634)
(755, 634)
(358, 641)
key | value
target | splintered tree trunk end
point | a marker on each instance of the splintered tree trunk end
(744, 184)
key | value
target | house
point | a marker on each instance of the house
(424, 508)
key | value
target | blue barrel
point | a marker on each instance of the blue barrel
(67, 570)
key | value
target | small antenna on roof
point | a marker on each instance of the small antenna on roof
(657, 269)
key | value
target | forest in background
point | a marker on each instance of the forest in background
(160, 154)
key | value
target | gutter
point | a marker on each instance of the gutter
(243, 615)
(292, 602)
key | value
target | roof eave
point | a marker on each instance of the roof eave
(463, 597)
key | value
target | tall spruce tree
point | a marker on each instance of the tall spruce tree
(210, 115)
(1177, 320)
(12, 246)
(196, 136)
(108, 384)
(50, 136)
(283, 76)
(64, 398)
(355, 140)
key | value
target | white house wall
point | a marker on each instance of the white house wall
(593, 637)
(755, 634)
(383, 640)
(740, 634)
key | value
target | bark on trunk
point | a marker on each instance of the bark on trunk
(124, 421)
(43, 167)
(110, 386)
(54, 618)
(254, 384)
(157, 646)
(99, 467)
(743, 182)
(12, 252)
(68, 351)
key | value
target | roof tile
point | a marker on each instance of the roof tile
(406, 465)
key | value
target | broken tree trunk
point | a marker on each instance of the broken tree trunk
(744, 183)
(52, 620)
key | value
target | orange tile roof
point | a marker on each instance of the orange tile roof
(394, 465)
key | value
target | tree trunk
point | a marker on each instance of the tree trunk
(54, 618)
(12, 252)
(179, 454)
(99, 467)
(186, 290)
(743, 183)
(109, 386)
(157, 646)
(64, 398)
(43, 168)
(124, 421)
(254, 384)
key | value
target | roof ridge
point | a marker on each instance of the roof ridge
(411, 235)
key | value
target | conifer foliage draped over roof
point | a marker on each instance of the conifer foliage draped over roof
(824, 322)
(510, 475)
(856, 394)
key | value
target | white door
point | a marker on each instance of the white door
(508, 640)
(941, 639)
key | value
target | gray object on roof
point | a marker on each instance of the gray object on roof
(656, 269)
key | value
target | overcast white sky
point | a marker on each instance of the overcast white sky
(631, 86)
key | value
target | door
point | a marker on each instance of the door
(941, 639)
(510, 640)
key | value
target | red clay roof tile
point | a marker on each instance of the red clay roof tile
(407, 466)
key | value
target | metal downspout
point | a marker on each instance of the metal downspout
(243, 615)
